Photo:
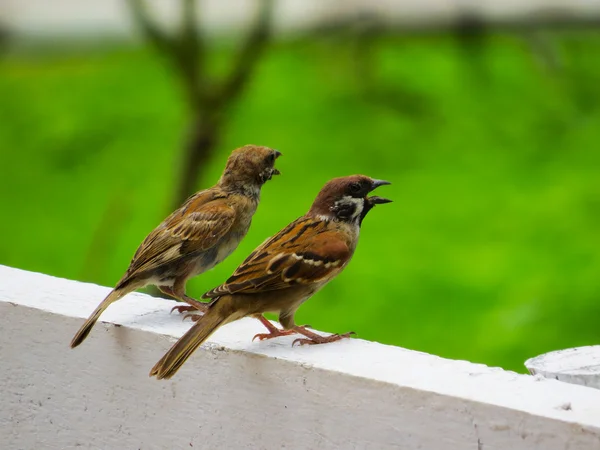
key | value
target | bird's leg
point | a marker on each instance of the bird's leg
(194, 305)
(273, 330)
(314, 338)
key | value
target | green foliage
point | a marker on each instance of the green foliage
(490, 251)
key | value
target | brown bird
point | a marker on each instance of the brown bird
(286, 270)
(197, 236)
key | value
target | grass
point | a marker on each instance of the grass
(490, 252)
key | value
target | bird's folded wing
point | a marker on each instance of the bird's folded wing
(307, 251)
(183, 233)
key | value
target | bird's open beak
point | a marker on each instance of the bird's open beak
(376, 200)
(274, 171)
(377, 183)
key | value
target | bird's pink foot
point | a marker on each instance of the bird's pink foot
(273, 330)
(194, 317)
(314, 339)
(183, 309)
(273, 334)
(192, 307)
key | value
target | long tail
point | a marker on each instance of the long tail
(219, 313)
(85, 329)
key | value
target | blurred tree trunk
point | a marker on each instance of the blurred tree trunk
(208, 98)
(4, 35)
(200, 142)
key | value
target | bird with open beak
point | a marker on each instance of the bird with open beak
(198, 235)
(286, 270)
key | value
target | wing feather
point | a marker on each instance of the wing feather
(197, 226)
(293, 256)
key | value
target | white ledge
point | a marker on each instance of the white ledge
(579, 365)
(234, 393)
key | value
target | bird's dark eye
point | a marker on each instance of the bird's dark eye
(355, 187)
(271, 157)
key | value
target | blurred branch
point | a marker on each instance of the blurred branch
(472, 35)
(190, 37)
(472, 31)
(155, 35)
(183, 51)
(189, 55)
(4, 37)
(250, 51)
(186, 52)
(397, 98)
(394, 23)
(210, 112)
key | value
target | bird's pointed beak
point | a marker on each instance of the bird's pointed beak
(275, 171)
(376, 200)
(377, 183)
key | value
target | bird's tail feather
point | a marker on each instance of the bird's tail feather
(219, 313)
(85, 329)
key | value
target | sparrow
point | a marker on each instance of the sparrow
(286, 270)
(197, 236)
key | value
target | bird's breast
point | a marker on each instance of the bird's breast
(229, 242)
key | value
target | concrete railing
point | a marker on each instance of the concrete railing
(234, 393)
(574, 365)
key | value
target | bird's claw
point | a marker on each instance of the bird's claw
(323, 340)
(193, 317)
(182, 308)
(261, 336)
(265, 336)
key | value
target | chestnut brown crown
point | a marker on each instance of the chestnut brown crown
(249, 167)
(346, 199)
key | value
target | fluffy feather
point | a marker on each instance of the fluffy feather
(285, 270)
(198, 235)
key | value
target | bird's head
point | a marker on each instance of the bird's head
(249, 167)
(346, 199)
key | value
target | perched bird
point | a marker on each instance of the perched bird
(198, 235)
(286, 270)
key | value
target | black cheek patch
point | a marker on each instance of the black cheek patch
(346, 211)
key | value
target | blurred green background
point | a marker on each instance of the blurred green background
(490, 251)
